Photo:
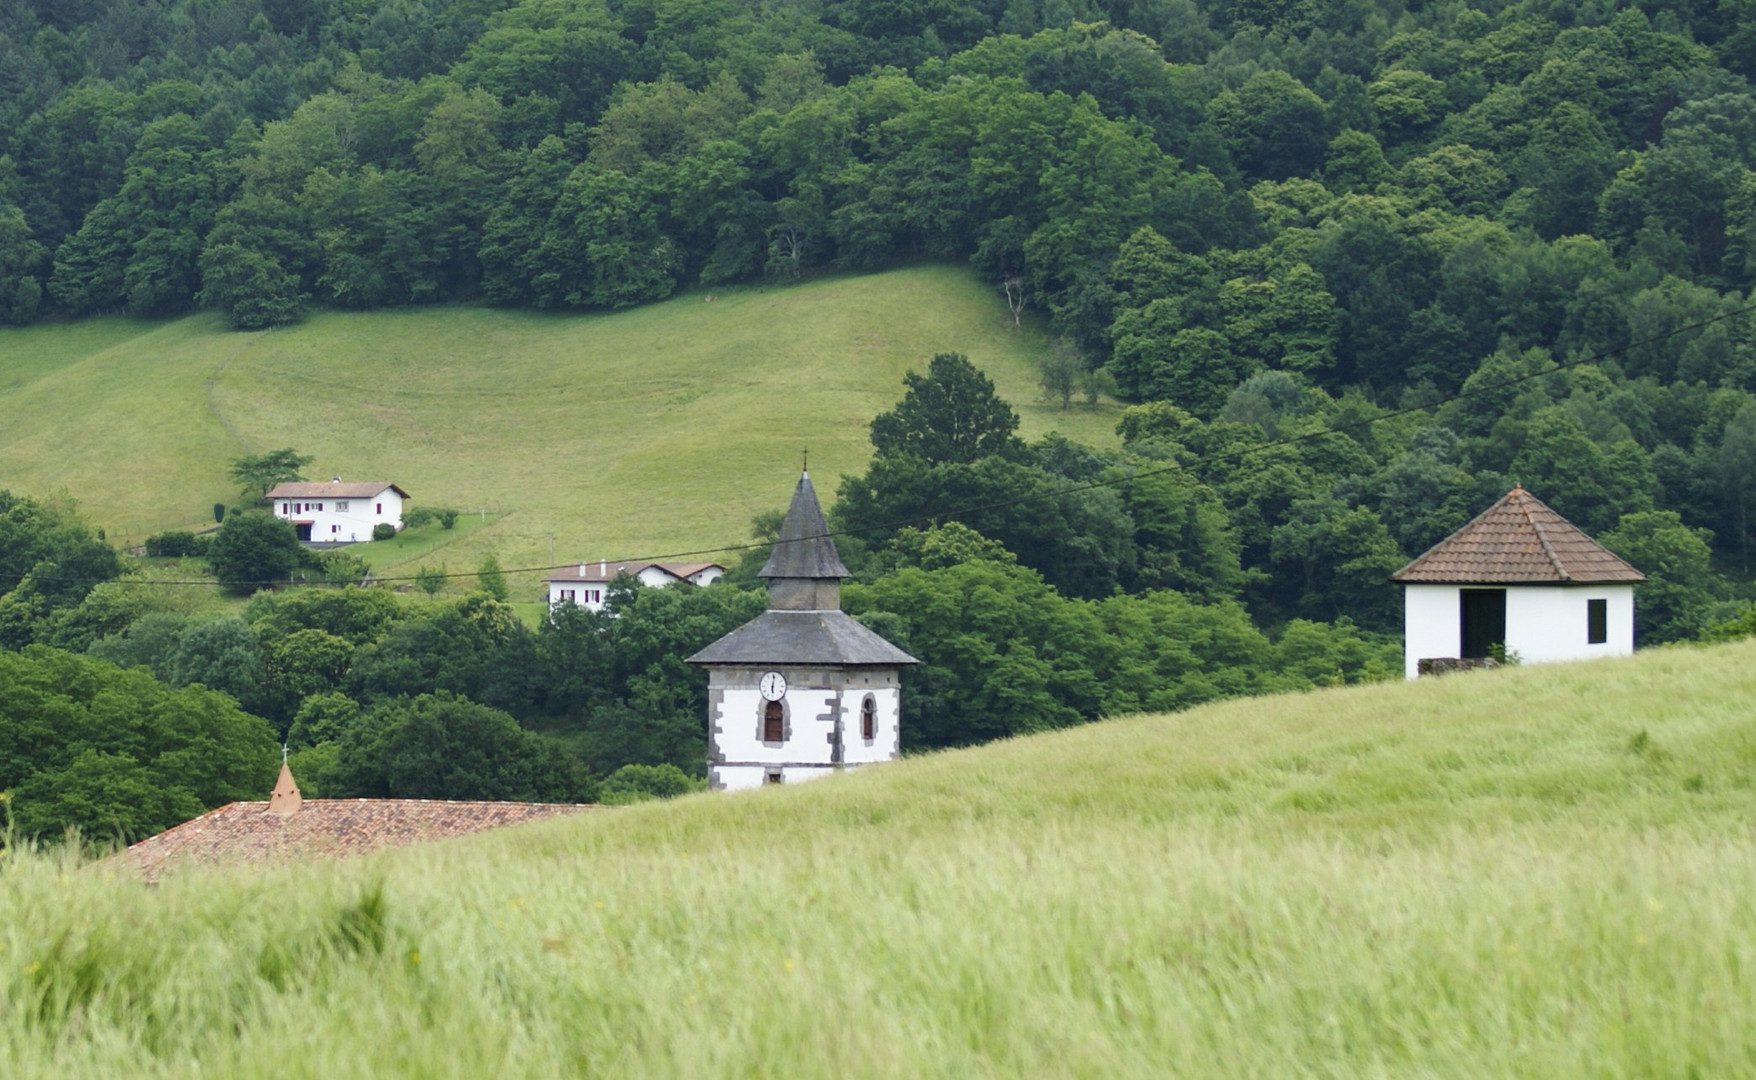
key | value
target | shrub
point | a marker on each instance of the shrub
(417, 517)
(447, 517)
(384, 530)
(174, 544)
(639, 783)
(251, 551)
(430, 579)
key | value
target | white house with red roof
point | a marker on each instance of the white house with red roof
(1519, 580)
(337, 512)
(587, 584)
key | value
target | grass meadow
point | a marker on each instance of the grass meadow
(657, 430)
(1535, 872)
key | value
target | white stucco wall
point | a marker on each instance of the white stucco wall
(1544, 623)
(583, 593)
(816, 702)
(652, 577)
(331, 524)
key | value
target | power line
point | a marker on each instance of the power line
(1091, 485)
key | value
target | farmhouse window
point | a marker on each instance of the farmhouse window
(773, 777)
(341, 506)
(773, 730)
(1597, 622)
(568, 595)
(381, 508)
(868, 719)
(335, 528)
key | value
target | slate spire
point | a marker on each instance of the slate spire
(804, 549)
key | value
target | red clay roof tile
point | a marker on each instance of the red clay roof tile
(247, 832)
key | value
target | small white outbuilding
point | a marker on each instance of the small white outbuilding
(1520, 580)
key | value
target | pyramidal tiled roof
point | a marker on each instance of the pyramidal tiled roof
(804, 549)
(1518, 541)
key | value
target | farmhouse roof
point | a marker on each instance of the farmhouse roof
(289, 827)
(1518, 541)
(602, 571)
(334, 489)
(804, 548)
(803, 637)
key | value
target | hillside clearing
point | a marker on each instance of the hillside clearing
(1534, 872)
(659, 429)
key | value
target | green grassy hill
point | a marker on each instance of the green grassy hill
(1542, 872)
(644, 432)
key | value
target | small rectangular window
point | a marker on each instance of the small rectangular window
(1597, 622)
(341, 506)
(772, 778)
(381, 508)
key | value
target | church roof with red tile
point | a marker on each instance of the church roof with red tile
(290, 827)
(1518, 541)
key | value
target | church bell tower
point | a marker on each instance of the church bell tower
(802, 689)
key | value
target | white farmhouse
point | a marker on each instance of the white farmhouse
(1522, 579)
(587, 584)
(802, 690)
(337, 513)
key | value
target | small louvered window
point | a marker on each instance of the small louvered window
(1597, 621)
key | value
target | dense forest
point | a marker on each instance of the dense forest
(1355, 267)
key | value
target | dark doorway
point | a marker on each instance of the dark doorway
(1484, 622)
(773, 725)
(304, 528)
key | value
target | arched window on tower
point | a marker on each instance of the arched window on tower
(869, 718)
(773, 729)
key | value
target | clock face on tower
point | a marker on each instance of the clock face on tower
(773, 686)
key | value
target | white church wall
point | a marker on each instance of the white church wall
(885, 743)
(816, 699)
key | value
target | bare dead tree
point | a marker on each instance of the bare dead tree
(1014, 289)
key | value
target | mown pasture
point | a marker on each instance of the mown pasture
(646, 432)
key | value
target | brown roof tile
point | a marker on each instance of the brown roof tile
(334, 489)
(248, 832)
(1518, 541)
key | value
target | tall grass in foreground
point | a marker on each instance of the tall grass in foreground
(1547, 871)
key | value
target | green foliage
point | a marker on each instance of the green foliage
(491, 579)
(384, 530)
(49, 563)
(641, 783)
(1680, 590)
(951, 414)
(115, 753)
(175, 544)
(431, 579)
(253, 551)
(260, 472)
(437, 746)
